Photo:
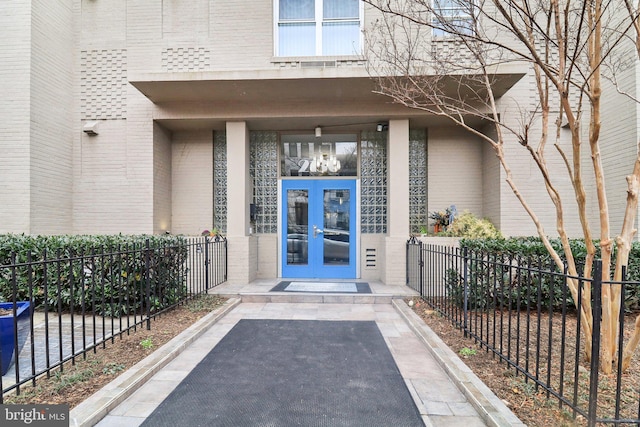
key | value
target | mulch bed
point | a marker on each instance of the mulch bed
(531, 403)
(79, 380)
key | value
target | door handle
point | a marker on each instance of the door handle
(316, 231)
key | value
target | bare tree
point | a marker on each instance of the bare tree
(446, 57)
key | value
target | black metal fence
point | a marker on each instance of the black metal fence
(522, 311)
(62, 306)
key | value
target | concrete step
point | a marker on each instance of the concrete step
(317, 298)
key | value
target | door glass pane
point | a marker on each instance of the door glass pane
(297, 227)
(336, 227)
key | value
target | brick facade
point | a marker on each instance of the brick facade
(209, 66)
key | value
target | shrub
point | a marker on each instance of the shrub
(507, 282)
(104, 274)
(467, 225)
(496, 282)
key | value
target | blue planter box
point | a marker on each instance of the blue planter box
(7, 330)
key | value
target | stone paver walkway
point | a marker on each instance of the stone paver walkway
(427, 373)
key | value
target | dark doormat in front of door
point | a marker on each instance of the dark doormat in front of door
(293, 373)
(323, 287)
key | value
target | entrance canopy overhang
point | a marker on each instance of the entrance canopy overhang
(282, 99)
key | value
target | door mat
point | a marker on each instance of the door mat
(293, 373)
(323, 287)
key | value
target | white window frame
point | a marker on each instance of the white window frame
(456, 13)
(318, 27)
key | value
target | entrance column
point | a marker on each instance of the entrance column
(398, 202)
(241, 246)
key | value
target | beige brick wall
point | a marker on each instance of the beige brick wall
(107, 196)
(51, 117)
(395, 271)
(243, 259)
(114, 172)
(15, 63)
(619, 139)
(398, 178)
(186, 19)
(454, 170)
(162, 188)
(491, 179)
(103, 24)
(135, 176)
(252, 45)
(514, 220)
(36, 137)
(267, 255)
(192, 182)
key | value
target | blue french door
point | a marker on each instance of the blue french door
(319, 228)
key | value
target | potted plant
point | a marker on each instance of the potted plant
(8, 327)
(441, 220)
(213, 233)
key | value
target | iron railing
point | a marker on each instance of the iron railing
(80, 301)
(522, 310)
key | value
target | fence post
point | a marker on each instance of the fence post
(206, 263)
(147, 263)
(421, 267)
(226, 259)
(408, 263)
(465, 284)
(595, 342)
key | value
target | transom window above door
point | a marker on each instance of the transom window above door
(318, 27)
(330, 155)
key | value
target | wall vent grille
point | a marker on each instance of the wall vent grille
(317, 64)
(370, 258)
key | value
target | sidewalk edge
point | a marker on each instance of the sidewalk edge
(494, 412)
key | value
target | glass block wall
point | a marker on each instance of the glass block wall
(220, 181)
(263, 167)
(373, 182)
(418, 215)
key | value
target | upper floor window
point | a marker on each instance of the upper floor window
(318, 27)
(453, 17)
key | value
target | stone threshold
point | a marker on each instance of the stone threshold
(324, 298)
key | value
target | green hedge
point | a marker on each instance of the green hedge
(494, 283)
(101, 274)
